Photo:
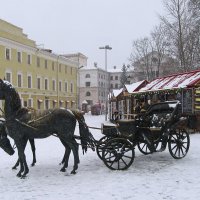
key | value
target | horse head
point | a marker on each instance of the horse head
(2, 91)
(4, 141)
(11, 97)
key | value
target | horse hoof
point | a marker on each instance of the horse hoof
(19, 175)
(14, 168)
(23, 176)
(63, 170)
(73, 172)
(33, 164)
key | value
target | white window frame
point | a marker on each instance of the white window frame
(9, 53)
(29, 75)
(66, 88)
(20, 53)
(39, 77)
(19, 73)
(46, 79)
(60, 88)
(71, 87)
(30, 59)
(9, 72)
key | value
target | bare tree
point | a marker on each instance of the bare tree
(141, 58)
(159, 45)
(179, 23)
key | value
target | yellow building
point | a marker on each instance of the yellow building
(43, 79)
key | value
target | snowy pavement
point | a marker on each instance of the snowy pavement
(153, 177)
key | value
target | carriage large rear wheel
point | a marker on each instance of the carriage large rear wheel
(118, 154)
(99, 147)
(179, 143)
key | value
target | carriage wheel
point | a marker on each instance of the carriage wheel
(118, 154)
(179, 143)
(143, 148)
(99, 147)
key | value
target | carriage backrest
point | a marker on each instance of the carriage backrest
(162, 112)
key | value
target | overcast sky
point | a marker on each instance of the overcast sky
(70, 26)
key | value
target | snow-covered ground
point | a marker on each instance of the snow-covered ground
(153, 177)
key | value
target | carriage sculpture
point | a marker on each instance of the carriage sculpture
(162, 124)
(151, 131)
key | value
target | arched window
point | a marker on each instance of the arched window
(88, 94)
(87, 76)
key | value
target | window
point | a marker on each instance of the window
(8, 54)
(88, 94)
(53, 66)
(116, 77)
(46, 102)
(8, 76)
(60, 85)
(46, 64)
(30, 103)
(29, 81)
(38, 83)
(111, 86)
(19, 80)
(46, 84)
(116, 86)
(87, 84)
(111, 78)
(72, 88)
(38, 61)
(25, 104)
(19, 56)
(66, 87)
(87, 76)
(54, 85)
(29, 59)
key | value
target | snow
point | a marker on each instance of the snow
(152, 177)
(173, 81)
(132, 87)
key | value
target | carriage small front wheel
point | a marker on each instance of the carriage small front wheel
(179, 143)
(99, 147)
(118, 154)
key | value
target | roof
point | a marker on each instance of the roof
(134, 86)
(175, 81)
(116, 92)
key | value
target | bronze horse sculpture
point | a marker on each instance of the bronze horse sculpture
(21, 125)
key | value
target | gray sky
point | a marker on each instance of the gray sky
(70, 26)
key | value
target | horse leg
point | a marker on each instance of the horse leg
(16, 164)
(21, 144)
(32, 143)
(74, 147)
(66, 158)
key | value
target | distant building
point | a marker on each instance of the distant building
(97, 83)
(94, 86)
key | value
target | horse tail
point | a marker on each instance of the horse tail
(87, 139)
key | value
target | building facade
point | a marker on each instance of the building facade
(43, 79)
(94, 86)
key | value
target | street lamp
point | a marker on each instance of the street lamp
(106, 47)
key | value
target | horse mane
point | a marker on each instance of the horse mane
(13, 95)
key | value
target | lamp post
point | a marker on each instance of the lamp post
(106, 47)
